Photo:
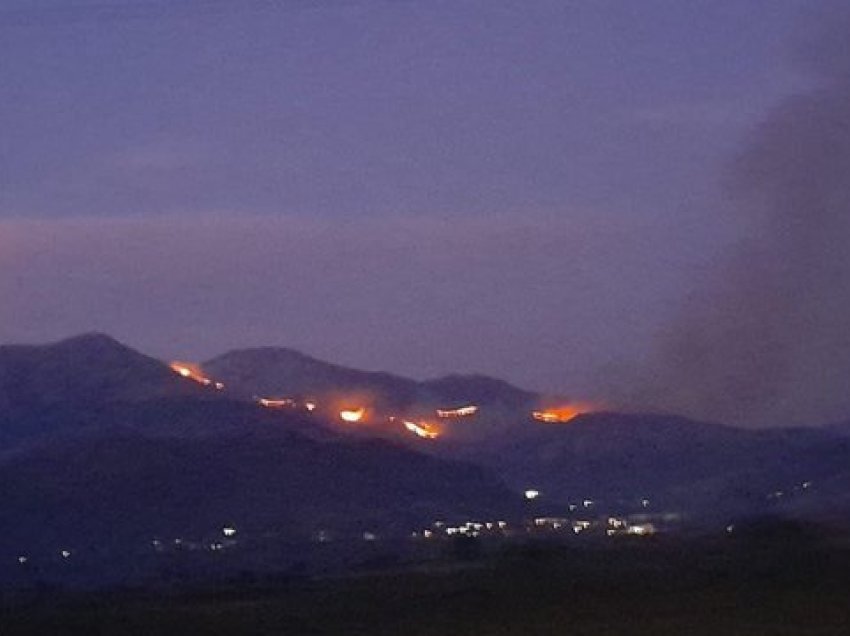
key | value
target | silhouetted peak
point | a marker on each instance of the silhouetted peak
(93, 340)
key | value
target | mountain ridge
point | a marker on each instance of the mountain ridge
(285, 372)
(614, 458)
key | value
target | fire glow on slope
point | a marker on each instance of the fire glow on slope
(194, 372)
(423, 430)
(561, 414)
(352, 415)
(463, 411)
(281, 403)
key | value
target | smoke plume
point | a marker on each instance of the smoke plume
(767, 340)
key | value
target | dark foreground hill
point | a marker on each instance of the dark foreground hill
(677, 464)
(657, 590)
(122, 492)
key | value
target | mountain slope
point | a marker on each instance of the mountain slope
(454, 390)
(670, 460)
(125, 490)
(104, 446)
(841, 428)
(91, 367)
(281, 371)
(61, 386)
(284, 372)
(92, 421)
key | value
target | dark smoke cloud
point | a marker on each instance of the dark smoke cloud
(766, 341)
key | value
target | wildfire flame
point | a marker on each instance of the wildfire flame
(194, 372)
(423, 430)
(348, 415)
(463, 411)
(561, 414)
(276, 403)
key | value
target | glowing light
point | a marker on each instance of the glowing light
(554, 522)
(464, 411)
(276, 403)
(228, 531)
(561, 414)
(22, 559)
(323, 536)
(65, 553)
(193, 372)
(349, 415)
(310, 406)
(423, 430)
(642, 530)
(581, 526)
(532, 494)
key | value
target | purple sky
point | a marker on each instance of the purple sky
(523, 188)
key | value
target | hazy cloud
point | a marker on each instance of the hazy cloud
(764, 339)
(530, 299)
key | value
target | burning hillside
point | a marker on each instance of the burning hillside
(276, 403)
(194, 372)
(463, 411)
(562, 414)
(422, 429)
(387, 407)
(352, 415)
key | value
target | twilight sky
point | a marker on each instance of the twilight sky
(526, 188)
